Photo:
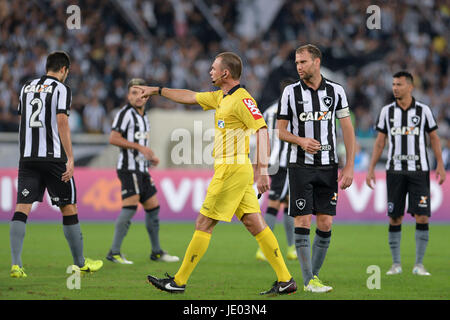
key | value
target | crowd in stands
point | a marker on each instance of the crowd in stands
(107, 51)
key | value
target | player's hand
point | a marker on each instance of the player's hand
(147, 91)
(309, 145)
(263, 181)
(147, 152)
(370, 178)
(154, 161)
(68, 174)
(440, 173)
(346, 176)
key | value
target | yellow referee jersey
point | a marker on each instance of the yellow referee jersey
(237, 116)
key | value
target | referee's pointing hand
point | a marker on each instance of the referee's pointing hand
(147, 91)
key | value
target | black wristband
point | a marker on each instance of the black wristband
(159, 90)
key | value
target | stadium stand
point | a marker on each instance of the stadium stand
(171, 43)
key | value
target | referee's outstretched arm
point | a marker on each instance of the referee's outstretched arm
(176, 95)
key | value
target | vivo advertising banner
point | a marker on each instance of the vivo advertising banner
(181, 194)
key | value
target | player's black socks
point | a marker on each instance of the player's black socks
(319, 250)
(72, 232)
(121, 227)
(422, 236)
(17, 228)
(152, 225)
(303, 247)
(395, 235)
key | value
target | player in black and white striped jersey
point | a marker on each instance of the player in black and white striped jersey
(46, 160)
(311, 106)
(39, 103)
(312, 114)
(404, 123)
(135, 128)
(279, 182)
(405, 130)
(130, 132)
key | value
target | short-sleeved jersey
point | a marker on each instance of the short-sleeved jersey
(135, 128)
(237, 116)
(40, 101)
(312, 114)
(406, 135)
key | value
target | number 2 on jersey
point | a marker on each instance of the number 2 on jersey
(36, 102)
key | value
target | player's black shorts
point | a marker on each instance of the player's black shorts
(136, 183)
(279, 185)
(312, 190)
(36, 176)
(416, 185)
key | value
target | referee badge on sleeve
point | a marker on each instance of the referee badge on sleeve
(251, 106)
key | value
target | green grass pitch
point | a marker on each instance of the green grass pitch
(228, 270)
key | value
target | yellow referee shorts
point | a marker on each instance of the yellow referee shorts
(230, 193)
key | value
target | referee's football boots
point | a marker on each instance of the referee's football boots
(166, 284)
(280, 287)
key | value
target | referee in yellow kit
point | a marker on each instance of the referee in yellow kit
(231, 189)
